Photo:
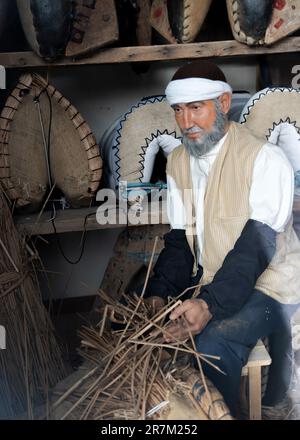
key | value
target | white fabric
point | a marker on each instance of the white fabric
(149, 160)
(283, 120)
(286, 136)
(168, 143)
(271, 193)
(164, 141)
(188, 90)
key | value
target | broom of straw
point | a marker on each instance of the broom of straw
(32, 360)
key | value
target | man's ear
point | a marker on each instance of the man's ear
(225, 101)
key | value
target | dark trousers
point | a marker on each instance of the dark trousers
(233, 338)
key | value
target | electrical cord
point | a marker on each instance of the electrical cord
(57, 238)
(83, 241)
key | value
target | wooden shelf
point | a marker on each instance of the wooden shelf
(71, 220)
(229, 48)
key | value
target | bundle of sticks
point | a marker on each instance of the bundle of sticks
(133, 373)
(31, 363)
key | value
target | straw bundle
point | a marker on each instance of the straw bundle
(134, 374)
(31, 362)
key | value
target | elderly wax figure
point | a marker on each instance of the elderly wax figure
(241, 247)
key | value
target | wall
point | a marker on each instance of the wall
(102, 93)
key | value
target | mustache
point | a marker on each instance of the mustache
(192, 130)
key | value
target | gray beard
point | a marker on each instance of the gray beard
(198, 148)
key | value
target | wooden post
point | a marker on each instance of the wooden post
(255, 393)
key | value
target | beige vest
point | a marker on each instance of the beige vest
(226, 211)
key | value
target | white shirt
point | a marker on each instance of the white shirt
(271, 194)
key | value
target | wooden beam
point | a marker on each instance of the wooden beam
(230, 48)
(71, 220)
(68, 220)
(255, 393)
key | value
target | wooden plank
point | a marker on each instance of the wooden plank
(71, 220)
(230, 48)
(255, 393)
(258, 357)
(68, 220)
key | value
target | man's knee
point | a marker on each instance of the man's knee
(217, 340)
(218, 331)
(209, 340)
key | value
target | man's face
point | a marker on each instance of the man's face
(202, 123)
(199, 114)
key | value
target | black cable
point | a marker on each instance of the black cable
(37, 99)
(83, 241)
(59, 245)
(49, 136)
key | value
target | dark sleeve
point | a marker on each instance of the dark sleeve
(235, 280)
(174, 266)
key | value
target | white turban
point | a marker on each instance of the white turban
(187, 90)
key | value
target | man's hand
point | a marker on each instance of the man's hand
(155, 303)
(196, 314)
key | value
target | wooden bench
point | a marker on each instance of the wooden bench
(258, 358)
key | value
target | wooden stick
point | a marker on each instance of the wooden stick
(74, 387)
(143, 291)
(175, 354)
(157, 361)
(142, 393)
(149, 268)
(104, 404)
(140, 298)
(161, 330)
(9, 256)
(195, 353)
(103, 320)
(120, 346)
(41, 211)
(159, 317)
